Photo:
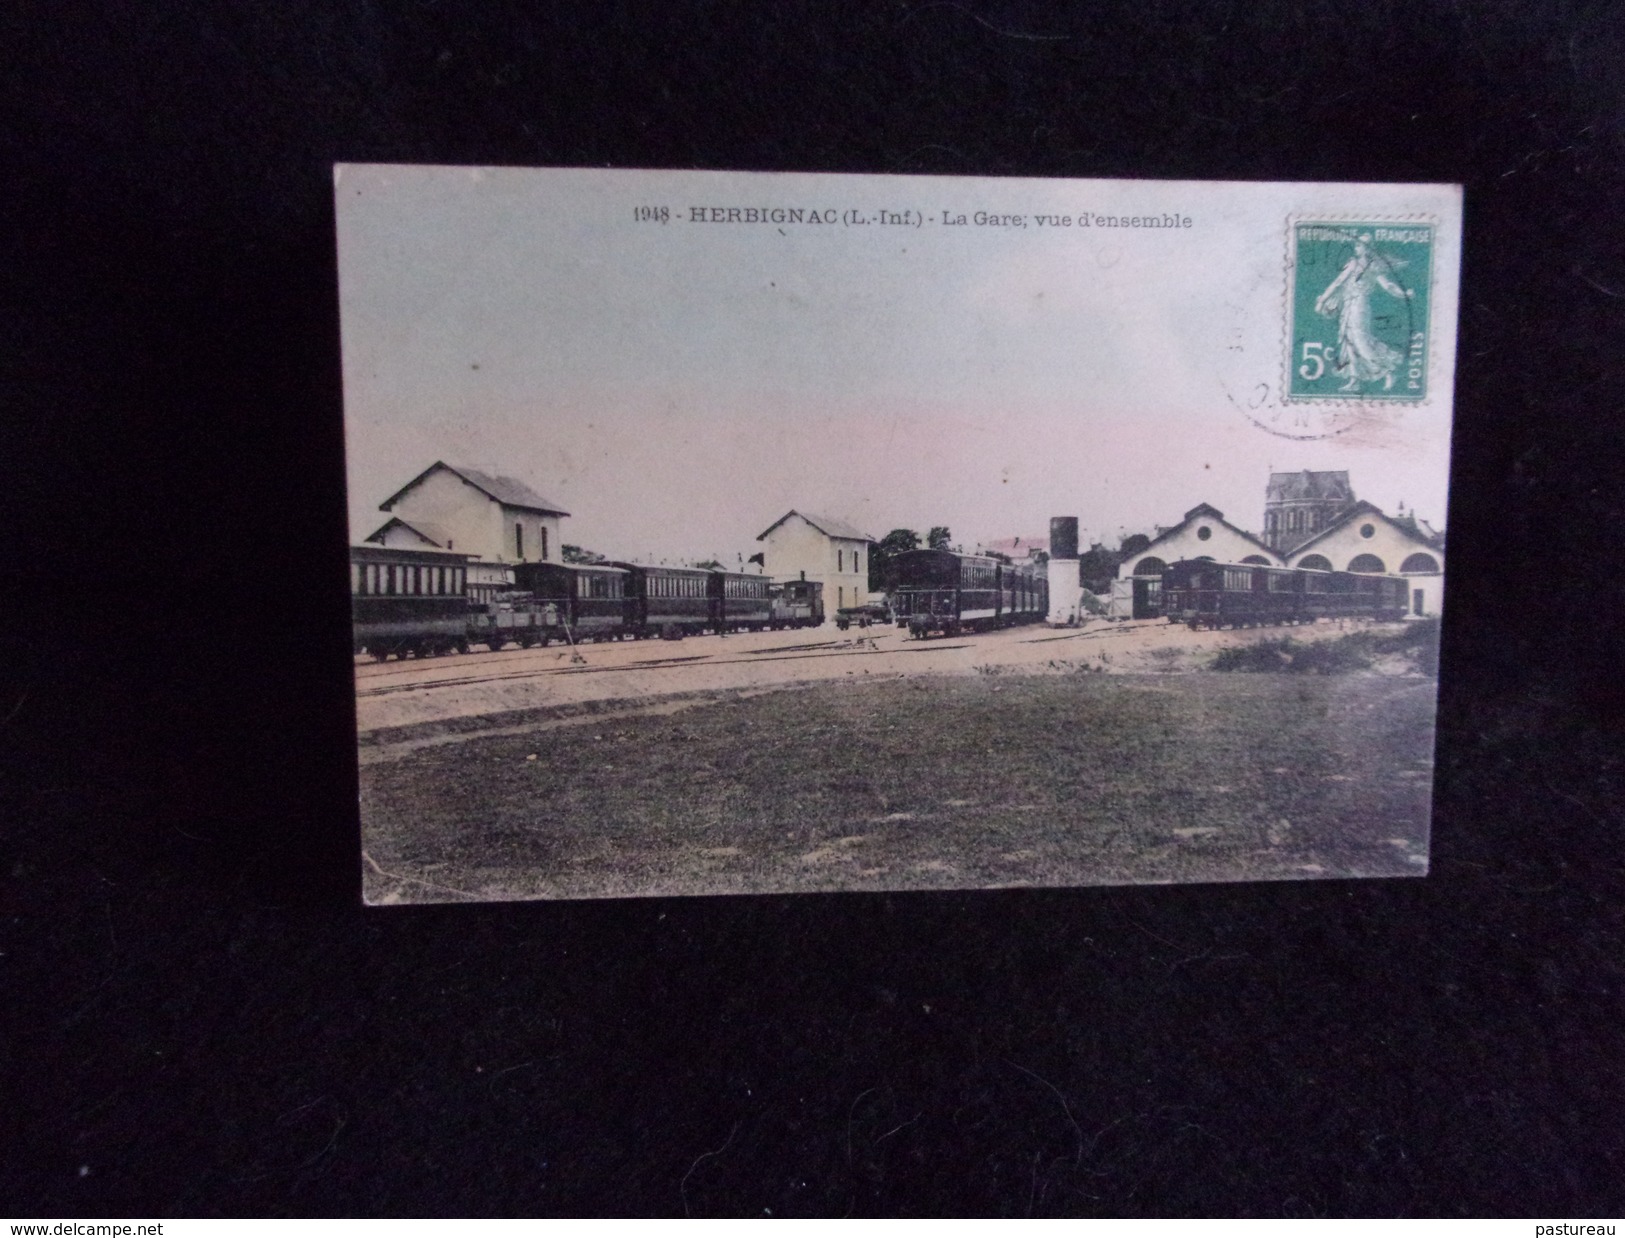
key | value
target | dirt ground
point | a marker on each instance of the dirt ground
(1049, 758)
(402, 694)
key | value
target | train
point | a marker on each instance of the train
(415, 602)
(942, 591)
(1203, 594)
(408, 601)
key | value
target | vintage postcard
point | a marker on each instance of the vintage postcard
(725, 533)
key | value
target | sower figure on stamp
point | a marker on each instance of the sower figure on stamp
(1360, 354)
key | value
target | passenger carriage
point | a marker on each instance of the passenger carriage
(666, 601)
(1202, 593)
(739, 602)
(587, 599)
(941, 591)
(405, 602)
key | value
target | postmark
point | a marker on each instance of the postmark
(1358, 303)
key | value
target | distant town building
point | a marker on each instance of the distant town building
(1018, 548)
(802, 546)
(453, 507)
(1299, 505)
(1204, 533)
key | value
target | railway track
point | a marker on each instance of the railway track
(781, 653)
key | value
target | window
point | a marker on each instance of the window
(1315, 563)
(1203, 533)
(518, 540)
(1150, 566)
(857, 561)
(1366, 563)
(544, 541)
(1420, 563)
(1368, 530)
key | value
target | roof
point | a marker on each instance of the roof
(1407, 525)
(1208, 511)
(1017, 547)
(509, 491)
(1306, 484)
(403, 554)
(824, 524)
(1420, 529)
(434, 534)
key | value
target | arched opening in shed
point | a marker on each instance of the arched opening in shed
(1419, 562)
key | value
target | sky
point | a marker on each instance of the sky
(679, 386)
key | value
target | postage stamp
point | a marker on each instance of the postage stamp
(1359, 300)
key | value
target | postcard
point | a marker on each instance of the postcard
(735, 533)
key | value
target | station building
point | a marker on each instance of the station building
(802, 546)
(457, 508)
(497, 521)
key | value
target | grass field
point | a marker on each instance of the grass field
(921, 783)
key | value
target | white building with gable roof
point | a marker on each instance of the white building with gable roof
(1204, 533)
(453, 507)
(1365, 539)
(801, 546)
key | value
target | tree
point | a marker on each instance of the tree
(709, 565)
(574, 554)
(1133, 544)
(898, 541)
(1097, 567)
(939, 537)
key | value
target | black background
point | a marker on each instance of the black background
(198, 1016)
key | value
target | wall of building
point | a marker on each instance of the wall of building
(468, 516)
(476, 523)
(1290, 521)
(1393, 546)
(796, 550)
(541, 539)
(1222, 544)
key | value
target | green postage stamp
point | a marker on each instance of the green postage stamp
(1359, 301)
